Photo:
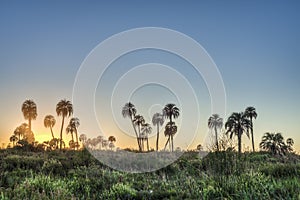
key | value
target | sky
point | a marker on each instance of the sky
(254, 44)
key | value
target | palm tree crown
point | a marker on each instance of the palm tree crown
(170, 110)
(29, 110)
(50, 121)
(237, 124)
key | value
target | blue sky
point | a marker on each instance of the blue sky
(255, 45)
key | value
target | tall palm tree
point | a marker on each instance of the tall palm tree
(251, 114)
(171, 111)
(13, 139)
(170, 131)
(29, 110)
(129, 110)
(70, 129)
(237, 124)
(273, 142)
(157, 120)
(139, 121)
(64, 108)
(146, 130)
(50, 121)
(74, 122)
(111, 139)
(215, 122)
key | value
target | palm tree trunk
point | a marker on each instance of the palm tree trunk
(157, 137)
(172, 143)
(217, 143)
(51, 132)
(240, 142)
(29, 124)
(147, 144)
(167, 143)
(76, 135)
(61, 130)
(136, 134)
(252, 135)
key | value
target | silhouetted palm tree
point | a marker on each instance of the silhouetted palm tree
(146, 130)
(21, 130)
(171, 111)
(274, 143)
(129, 110)
(139, 121)
(237, 124)
(74, 122)
(70, 129)
(112, 140)
(64, 108)
(170, 131)
(49, 121)
(157, 120)
(29, 111)
(215, 122)
(13, 139)
(289, 144)
(82, 139)
(251, 114)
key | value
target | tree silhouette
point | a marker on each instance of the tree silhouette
(13, 139)
(170, 111)
(129, 110)
(112, 140)
(251, 114)
(82, 139)
(74, 123)
(274, 143)
(64, 108)
(237, 124)
(139, 121)
(146, 130)
(70, 129)
(50, 121)
(29, 110)
(170, 131)
(215, 122)
(157, 120)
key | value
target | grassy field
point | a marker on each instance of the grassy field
(219, 175)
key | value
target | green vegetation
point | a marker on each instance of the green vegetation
(220, 175)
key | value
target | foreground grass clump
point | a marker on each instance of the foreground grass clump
(77, 175)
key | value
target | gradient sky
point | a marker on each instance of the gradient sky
(255, 45)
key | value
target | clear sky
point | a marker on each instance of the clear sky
(255, 45)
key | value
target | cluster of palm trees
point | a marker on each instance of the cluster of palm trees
(143, 129)
(274, 143)
(64, 109)
(98, 142)
(237, 124)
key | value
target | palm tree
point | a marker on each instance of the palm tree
(111, 139)
(82, 139)
(170, 110)
(70, 129)
(29, 111)
(49, 121)
(64, 108)
(237, 124)
(157, 120)
(289, 144)
(74, 123)
(274, 143)
(251, 114)
(21, 130)
(146, 130)
(215, 122)
(139, 121)
(13, 139)
(170, 131)
(129, 110)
